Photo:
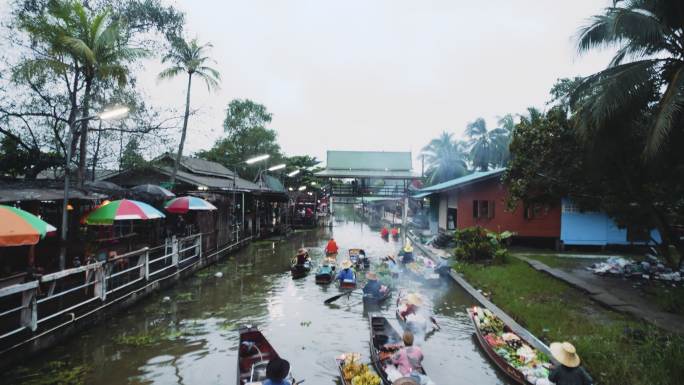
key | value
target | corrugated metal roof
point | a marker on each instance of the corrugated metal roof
(462, 181)
(369, 160)
(197, 165)
(213, 182)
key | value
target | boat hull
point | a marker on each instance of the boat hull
(500, 363)
(382, 337)
(254, 352)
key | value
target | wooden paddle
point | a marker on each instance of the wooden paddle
(335, 298)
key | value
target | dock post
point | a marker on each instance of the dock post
(404, 220)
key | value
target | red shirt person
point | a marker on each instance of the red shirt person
(331, 247)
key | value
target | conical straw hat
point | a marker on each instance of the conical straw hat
(565, 353)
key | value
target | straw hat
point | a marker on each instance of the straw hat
(371, 275)
(302, 251)
(408, 248)
(346, 264)
(414, 299)
(565, 353)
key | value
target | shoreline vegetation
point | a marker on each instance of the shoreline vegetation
(615, 348)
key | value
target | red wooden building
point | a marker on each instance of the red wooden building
(480, 199)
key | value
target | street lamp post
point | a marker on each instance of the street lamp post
(252, 160)
(112, 114)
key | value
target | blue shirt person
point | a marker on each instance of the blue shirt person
(346, 274)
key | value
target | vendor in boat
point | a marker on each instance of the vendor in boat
(410, 305)
(407, 252)
(302, 256)
(395, 232)
(569, 372)
(346, 274)
(408, 358)
(384, 232)
(277, 371)
(373, 288)
(331, 247)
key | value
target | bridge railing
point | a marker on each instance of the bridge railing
(68, 294)
(359, 191)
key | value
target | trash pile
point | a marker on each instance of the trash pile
(442, 241)
(651, 268)
(534, 365)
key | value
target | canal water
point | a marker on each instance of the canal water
(188, 334)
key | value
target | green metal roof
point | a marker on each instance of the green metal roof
(369, 160)
(460, 182)
(366, 174)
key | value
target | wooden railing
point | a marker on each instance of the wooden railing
(26, 307)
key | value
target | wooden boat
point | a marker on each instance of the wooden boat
(325, 274)
(348, 285)
(254, 354)
(340, 367)
(371, 300)
(516, 375)
(300, 270)
(359, 259)
(385, 340)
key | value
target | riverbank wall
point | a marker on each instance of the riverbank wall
(60, 305)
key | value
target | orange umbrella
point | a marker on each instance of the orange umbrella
(20, 228)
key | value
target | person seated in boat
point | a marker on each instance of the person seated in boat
(331, 247)
(302, 256)
(410, 305)
(373, 288)
(407, 252)
(346, 274)
(569, 372)
(408, 358)
(277, 371)
(384, 232)
(395, 232)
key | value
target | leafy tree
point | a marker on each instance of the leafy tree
(636, 104)
(446, 159)
(131, 157)
(551, 161)
(307, 166)
(244, 114)
(96, 48)
(246, 137)
(188, 57)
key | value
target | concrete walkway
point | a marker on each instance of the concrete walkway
(609, 294)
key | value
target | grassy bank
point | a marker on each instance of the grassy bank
(616, 349)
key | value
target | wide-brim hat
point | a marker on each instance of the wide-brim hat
(565, 353)
(346, 264)
(414, 299)
(407, 247)
(371, 275)
(302, 251)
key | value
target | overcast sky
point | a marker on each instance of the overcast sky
(377, 74)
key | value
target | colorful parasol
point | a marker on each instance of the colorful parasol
(20, 228)
(122, 210)
(184, 204)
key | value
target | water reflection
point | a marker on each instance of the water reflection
(192, 338)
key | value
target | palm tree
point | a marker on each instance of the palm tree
(647, 71)
(98, 48)
(489, 147)
(446, 159)
(190, 58)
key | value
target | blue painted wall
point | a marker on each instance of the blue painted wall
(592, 228)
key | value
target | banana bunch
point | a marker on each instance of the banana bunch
(366, 378)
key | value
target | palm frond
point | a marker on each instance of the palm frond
(170, 73)
(668, 113)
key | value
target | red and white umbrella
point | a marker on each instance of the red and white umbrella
(182, 205)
